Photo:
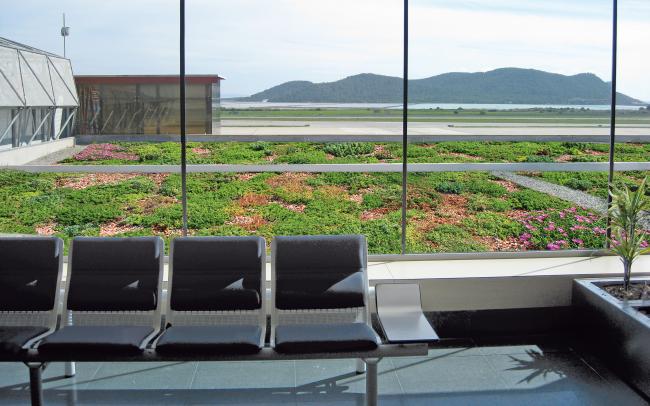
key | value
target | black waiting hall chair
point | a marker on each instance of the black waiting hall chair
(216, 302)
(215, 308)
(30, 275)
(320, 295)
(113, 301)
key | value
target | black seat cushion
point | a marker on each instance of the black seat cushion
(12, 338)
(95, 340)
(226, 340)
(317, 338)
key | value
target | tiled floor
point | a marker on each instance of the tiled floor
(529, 374)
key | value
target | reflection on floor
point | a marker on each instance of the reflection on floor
(546, 372)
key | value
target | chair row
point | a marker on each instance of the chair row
(216, 302)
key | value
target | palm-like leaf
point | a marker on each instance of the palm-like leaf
(625, 213)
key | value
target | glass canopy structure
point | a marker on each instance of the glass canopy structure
(38, 98)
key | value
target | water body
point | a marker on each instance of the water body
(416, 106)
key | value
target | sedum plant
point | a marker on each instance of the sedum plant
(628, 239)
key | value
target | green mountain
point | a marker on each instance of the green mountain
(502, 86)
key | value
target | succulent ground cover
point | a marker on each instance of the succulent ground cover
(354, 152)
(447, 212)
(570, 228)
(103, 152)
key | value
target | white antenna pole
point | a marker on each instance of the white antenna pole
(65, 31)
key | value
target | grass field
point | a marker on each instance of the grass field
(528, 116)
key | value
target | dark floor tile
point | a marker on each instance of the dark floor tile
(278, 375)
(252, 396)
(563, 376)
(339, 376)
(141, 376)
(130, 397)
(505, 371)
(535, 368)
(487, 398)
(446, 374)
(54, 375)
(522, 344)
(13, 375)
(345, 399)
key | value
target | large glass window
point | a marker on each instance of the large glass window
(524, 89)
(633, 124)
(294, 121)
(298, 98)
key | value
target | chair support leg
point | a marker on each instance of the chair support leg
(371, 382)
(36, 384)
(361, 366)
(70, 369)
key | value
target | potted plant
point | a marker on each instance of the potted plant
(628, 238)
(612, 314)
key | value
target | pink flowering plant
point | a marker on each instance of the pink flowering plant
(553, 229)
(628, 238)
(105, 152)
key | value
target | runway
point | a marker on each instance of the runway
(439, 131)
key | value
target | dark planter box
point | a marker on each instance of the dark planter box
(614, 330)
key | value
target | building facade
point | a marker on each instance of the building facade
(38, 98)
(146, 104)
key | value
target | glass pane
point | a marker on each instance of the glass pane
(527, 85)
(10, 81)
(6, 118)
(64, 93)
(633, 125)
(322, 90)
(37, 64)
(64, 68)
(35, 93)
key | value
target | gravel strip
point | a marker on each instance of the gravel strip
(582, 199)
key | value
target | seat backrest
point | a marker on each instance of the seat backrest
(30, 278)
(217, 273)
(217, 280)
(319, 272)
(319, 279)
(112, 275)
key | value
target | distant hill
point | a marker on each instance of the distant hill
(500, 86)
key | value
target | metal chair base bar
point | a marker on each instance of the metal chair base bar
(36, 362)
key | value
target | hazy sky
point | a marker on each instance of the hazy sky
(256, 44)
